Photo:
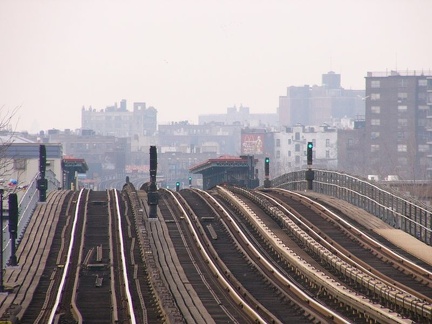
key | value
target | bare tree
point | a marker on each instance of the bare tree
(7, 137)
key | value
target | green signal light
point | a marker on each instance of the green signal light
(310, 145)
(267, 160)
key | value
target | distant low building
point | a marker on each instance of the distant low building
(104, 155)
(242, 117)
(19, 163)
(182, 145)
(290, 148)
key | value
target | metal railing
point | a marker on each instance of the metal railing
(405, 213)
(26, 207)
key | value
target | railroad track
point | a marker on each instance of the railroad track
(32, 257)
(93, 287)
(384, 259)
(204, 259)
(265, 290)
(359, 278)
(44, 296)
(213, 296)
(98, 291)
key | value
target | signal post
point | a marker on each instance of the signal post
(267, 182)
(310, 174)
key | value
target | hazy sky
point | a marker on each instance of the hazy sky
(191, 57)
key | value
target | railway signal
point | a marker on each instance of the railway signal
(152, 195)
(267, 183)
(309, 153)
(13, 226)
(267, 167)
(177, 186)
(310, 174)
(190, 181)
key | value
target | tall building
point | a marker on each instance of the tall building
(317, 105)
(120, 122)
(398, 128)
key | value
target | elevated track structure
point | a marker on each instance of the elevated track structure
(225, 254)
(385, 202)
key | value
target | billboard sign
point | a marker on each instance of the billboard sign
(252, 143)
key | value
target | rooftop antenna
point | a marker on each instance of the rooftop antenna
(396, 58)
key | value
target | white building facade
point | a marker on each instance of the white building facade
(290, 148)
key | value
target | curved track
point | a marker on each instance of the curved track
(259, 282)
(401, 271)
(211, 295)
(384, 292)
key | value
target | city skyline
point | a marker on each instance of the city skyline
(191, 58)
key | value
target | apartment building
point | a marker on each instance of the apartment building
(290, 148)
(118, 121)
(398, 127)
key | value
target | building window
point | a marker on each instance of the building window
(375, 135)
(401, 135)
(50, 165)
(402, 148)
(402, 97)
(402, 83)
(402, 161)
(297, 147)
(297, 136)
(297, 159)
(375, 122)
(374, 148)
(403, 122)
(422, 83)
(402, 108)
(289, 153)
(327, 142)
(278, 142)
(423, 148)
(289, 141)
(375, 109)
(375, 96)
(278, 154)
(375, 83)
(327, 154)
(19, 164)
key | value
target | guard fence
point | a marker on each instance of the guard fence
(405, 213)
